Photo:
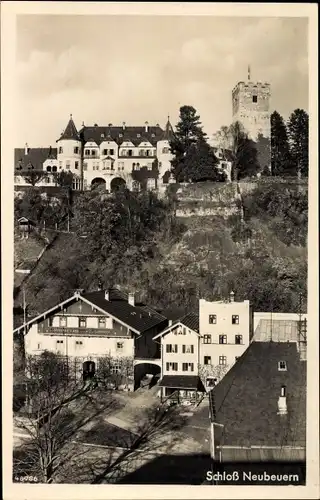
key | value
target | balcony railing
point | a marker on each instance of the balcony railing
(83, 332)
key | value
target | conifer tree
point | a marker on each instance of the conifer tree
(281, 161)
(298, 133)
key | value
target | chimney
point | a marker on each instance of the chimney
(231, 296)
(83, 125)
(170, 322)
(26, 149)
(106, 295)
(131, 298)
(124, 125)
(146, 126)
(282, 401)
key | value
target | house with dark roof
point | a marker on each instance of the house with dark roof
(93, 327)
(197, 350)
(258, 413)
(180, 358)
(109, 155)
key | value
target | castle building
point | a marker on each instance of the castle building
(251, 107)
(111, 156)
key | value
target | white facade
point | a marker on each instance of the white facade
(225, 329)
(86, 347)
(180, 351)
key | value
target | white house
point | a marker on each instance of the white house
(90, 327)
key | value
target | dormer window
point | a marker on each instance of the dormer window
(152, 135)
(282, 366)
(138, 135)
(60, 150)
(120, 135)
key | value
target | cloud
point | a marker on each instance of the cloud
(99, 81)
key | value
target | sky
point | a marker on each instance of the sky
(110, 69)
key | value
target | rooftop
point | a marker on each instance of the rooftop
(139, 317)
(35, 157)
(246, 399)
(120, 134)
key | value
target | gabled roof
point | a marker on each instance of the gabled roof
(139, 318)
(118, 134)
(190, 320)
(246, 399)
(35, 157)
(70, 132)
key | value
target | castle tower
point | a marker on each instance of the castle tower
(251, 107)
(163, 150)
(69, 149)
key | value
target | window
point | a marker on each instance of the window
(172, 367)
(59, 345)
(60, 150)
(85, 166)
(129, 152)
(120, 346)
(68, 165)
(39, 346)
(207, 339)
(173, 348)
(254, 98)
(101, 322)
(238, 339)
(111, 152)
(76, 165)
(141, 152)
(63, 321)
(76, 150)
(147, 152)
(165, 151)
(54, 168)
(222, 360)
(222, 339)
(50, 321)
(105, 152)
(188, 349)
(207, 360)
(49, 169)
(186, 367)
(87, 152)
(282, 366)
(115, 367)
(82, 322)
(212, 319)
(47, 180)
(235, 319)
(60, 165)
(149, 166)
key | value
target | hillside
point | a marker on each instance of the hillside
(252, 240)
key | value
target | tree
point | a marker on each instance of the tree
(298, 132)
(193, 158)
(200, 163)
(264, 154)
(281, 161)
(33, 176)
(243, 153)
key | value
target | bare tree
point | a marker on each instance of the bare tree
(33, 176)
(57, 408)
